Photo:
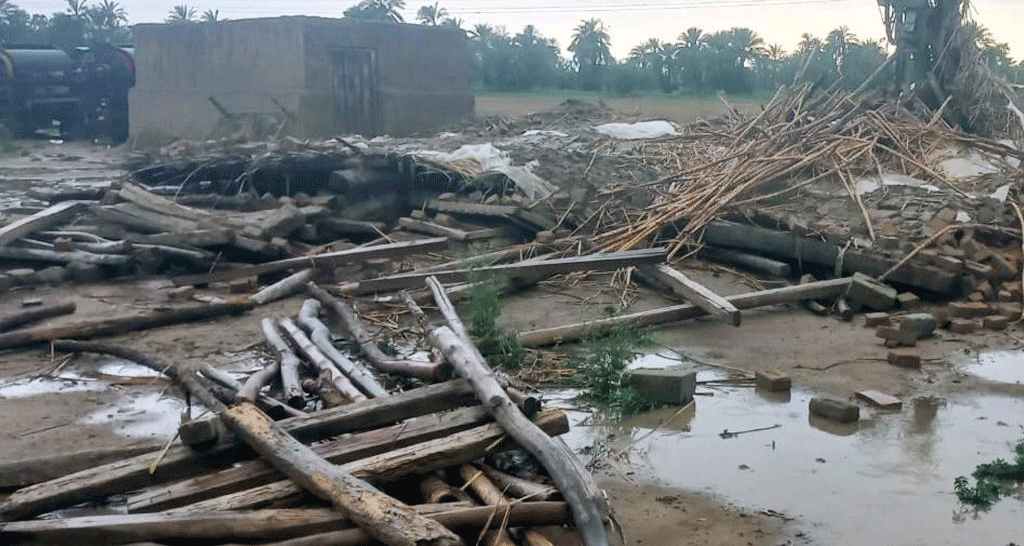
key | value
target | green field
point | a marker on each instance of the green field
(678, 108)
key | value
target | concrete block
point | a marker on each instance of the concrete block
(22, 276)
(773, 381)
(1010, 310)
(897, 337)
(963, 326)
(959, 309)
(995, 322)
(908, 300)
(1002, 268)
(873, 320)
(880, 399)
(82, 272)
(52, 275)
(904, 359)
(835, 410)
(922, 324)
(868, 292)
(668, 386)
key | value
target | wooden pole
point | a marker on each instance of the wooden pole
(321, 337)
(22, 318)
(39, 221)
(288, 364)
(322, 363)
(368, 343)
(119, 325)
(283, 288)
(777, 296)
(478, 483)
(42, 255)
(435, 490)
(520, 488)
(695, 293)
(577, 486)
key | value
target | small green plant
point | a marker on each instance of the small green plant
(500, 345)
(602, 366)
(994, 480)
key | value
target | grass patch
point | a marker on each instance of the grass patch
(498, 344)
(993, 481)
(602, 366)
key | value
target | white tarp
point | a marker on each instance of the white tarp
(475, 160)
(870, 184)
(640, 130)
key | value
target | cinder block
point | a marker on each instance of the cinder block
(963, 326)
(922, 324)
(870, 293)
(961, 309)
(835, 410)
(908, 300)
(896, 337)
(773, 381)
(668, 386)
(995, 322)
(873, 320)
(905, 359)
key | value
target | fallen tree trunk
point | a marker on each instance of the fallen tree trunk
(577, 486)
(29, 316)
(326, 368)
(321, 337)
(381, 516)
(788, 294)
(119, 325)
(422, 458)
(368, 343)
(288, 364)
(254, 473)
(180, 462)
(283, 288)
(480, 518)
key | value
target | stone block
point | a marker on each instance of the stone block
(1011, 310)
(959, 309)
(835, 410)
(868, 292)
(908, 300)
(1014, 288)
(880, 399)
(22, 276)
(963, 326)
(83, 272)
(995, 322)
(874, 320)
(773, 381)
(668, 386)
(897, 337)
(1002, 268)
(922, 324)
(52, 275)
(904, 359)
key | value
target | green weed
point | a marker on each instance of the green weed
(499, 345)
(602, 366)
(993, 481)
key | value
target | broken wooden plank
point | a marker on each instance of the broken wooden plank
(119, 325)
(696, 293)
(330, 259)
(788, 294)
(350, 227)
(431, 228)
(25, 472)
(159, 204)
(880, 399)
(72, 194)
(287, 365)
(471, 209)
(42, 255)
(22, 318)
(530, 269)
(44, 219)
(142, 220)
(257, 472)
(455, 449)
(180, 462)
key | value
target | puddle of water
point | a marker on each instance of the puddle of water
(999, 366)
(153, 415)
(885, 480)
(67, 382)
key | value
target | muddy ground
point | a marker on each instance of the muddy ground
(671, 477)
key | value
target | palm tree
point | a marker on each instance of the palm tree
(837, 47)
(591, 46)
(211, 16)
(808, 43)
(453, 22)
(377, 10)
(104, 20)
(182, 14)
(431, 15)
(693, 38)
(746, 44)
(76, 8)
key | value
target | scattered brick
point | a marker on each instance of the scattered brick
(835, 410)
(963, 326)
(968, 309)
(904, 359)
(773, 381)
(908, 300)
(995, 322)
(897, 336)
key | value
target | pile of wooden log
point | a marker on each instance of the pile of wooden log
(349, 459)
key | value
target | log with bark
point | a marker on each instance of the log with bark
(326, 369)
(180, 462)
(287, 363)
(292, 284)
(435, 490)
(43, 255)
(590, 512)
(431, 371)
(321, 337)
(21, 318)
(520, 488)
(381, 516)
(119, 325)
(25, 472)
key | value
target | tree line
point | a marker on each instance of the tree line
(736, 60)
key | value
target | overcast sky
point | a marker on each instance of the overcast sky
(629, 21)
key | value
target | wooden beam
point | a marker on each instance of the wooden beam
(181, 462)
(257, 472)
(25, 472)
(431, 228)
(696, 293)
(330, 259)
(119, 325)
(471, 209)
(29, 316)
(453, 450)
(789, 294)
(42, 255)
(44, 219)
(528, 269)
(753, 262)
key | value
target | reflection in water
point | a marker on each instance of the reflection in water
(998, 366)
(885, 480)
